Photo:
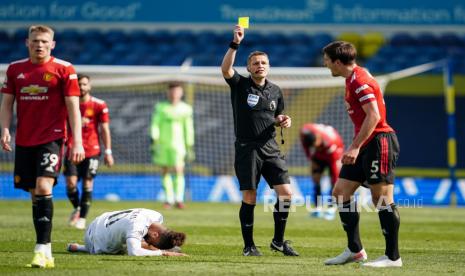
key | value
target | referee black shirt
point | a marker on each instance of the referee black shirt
(254, 108)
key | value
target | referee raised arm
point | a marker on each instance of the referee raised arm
(257, 108)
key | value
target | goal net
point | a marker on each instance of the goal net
(311, 95)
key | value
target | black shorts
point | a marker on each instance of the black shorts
(321, 165)
(254, 159)
(36, 161)
(375, 162)
(86, 169)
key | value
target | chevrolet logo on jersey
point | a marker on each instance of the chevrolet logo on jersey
(48, 76)
(34, 89)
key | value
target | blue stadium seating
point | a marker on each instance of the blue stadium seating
(451, 39)
(403, 39)
(206, 48)
(427, 39)
(404, 50)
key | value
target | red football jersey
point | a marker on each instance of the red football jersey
(93, 112)
(40, 91)
(332, 148)
(362, 88)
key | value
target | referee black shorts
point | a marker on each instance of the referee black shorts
(254, 159)
(36, 161)
(375, 162)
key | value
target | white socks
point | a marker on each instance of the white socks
(44, 248)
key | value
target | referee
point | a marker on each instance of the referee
(257, 108)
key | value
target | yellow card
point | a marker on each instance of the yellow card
(243, 22)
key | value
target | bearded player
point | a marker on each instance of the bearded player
(95, 125)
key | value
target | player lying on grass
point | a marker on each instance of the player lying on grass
(138, 231)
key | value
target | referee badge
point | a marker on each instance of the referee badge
(272, 105)
(252, 100)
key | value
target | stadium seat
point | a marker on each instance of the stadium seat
(68, 35)
(20, 35)
(354, 38)
(173, 60)
(84, 58)
(205, 60)
(253, 38)
(371, 43)
(408, 50)
(4, 37)
(321, 39)
(298, 61)
(132, 58)
(17, 54)
(403, 39)
(105, 59)
(115, 36)
(301, 39)
(427, 39)
(376, 63)
(206, 48)
(451, 40)
(141, 36)
(162, 36)
(204, 37)
(93, 35)
(434, 52)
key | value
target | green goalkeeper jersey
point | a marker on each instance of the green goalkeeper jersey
(172, 126)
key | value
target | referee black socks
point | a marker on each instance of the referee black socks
(350, 217)
(246, 216)
(43, 219)
(280, 214)
(390, 222)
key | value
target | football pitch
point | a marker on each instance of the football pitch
(432, 241)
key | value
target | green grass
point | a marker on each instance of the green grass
(432, 241)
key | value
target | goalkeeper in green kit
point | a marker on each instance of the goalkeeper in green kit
(172, 133)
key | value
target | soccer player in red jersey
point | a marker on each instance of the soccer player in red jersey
(370, 158)
(46, 92)
(95, 115)
(323, 147)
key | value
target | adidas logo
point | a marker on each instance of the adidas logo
(373, 176)
(21, 76)
(43, 219)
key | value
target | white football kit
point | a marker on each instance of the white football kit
(114, 232)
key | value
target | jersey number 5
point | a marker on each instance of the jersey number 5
(374, 166)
